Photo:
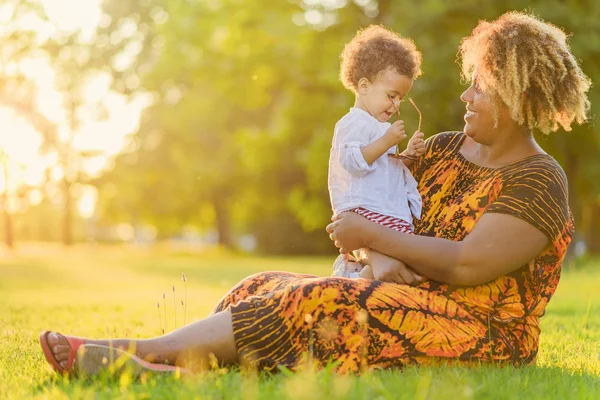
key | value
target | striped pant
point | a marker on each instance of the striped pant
(342, 266)
(396, 224)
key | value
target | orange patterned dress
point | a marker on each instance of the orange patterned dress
(279, 317)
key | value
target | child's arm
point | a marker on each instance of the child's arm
(414, 149)
(394, 135)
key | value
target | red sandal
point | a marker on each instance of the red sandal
(93, 359)
(74, 343)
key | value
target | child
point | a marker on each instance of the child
(379, 66)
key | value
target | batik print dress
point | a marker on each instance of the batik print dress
(281, 318)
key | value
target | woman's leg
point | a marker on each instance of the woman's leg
(189, 346)
(193, 342)
(258, 284)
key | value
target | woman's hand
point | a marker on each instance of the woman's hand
(388, 269)
(347, 231)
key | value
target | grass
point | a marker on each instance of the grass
(100, 292)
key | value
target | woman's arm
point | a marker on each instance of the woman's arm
(497, 245)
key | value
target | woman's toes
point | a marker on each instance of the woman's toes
(61, 352)
(52, 339)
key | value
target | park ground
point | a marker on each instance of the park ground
(102, 291)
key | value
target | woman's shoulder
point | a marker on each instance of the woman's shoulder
(540, 168)
(535, 189)
(538, 182)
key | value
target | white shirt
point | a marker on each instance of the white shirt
(386, 186)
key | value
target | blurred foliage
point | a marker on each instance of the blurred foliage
(246, 94)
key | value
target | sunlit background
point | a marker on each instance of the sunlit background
(209, 122)
(21, 142)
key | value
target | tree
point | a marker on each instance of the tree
(17, 91)
(247, 93)
(70, 58)
(222, 86)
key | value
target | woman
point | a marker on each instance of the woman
(494, 229)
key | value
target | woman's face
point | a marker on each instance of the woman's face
(479, 118)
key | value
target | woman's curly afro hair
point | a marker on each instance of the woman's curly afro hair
(527, 64)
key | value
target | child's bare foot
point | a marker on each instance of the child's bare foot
(346, 267)
(367, 273)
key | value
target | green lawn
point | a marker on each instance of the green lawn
(101, 292)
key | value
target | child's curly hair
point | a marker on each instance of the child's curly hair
(527, 64)
(375, 49)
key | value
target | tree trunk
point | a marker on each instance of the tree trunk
(68, 215)
(223, 223)
(586, 212)
(592, 233)
(571, 168)
(8, 227)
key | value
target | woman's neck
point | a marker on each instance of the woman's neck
(508, 146)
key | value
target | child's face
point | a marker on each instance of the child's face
(382, 97)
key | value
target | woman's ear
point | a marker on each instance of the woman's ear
(363, 86)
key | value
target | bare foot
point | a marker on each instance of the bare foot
(367, 273)
(59, 347)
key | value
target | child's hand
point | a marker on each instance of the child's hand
(416, 145)
(395, 133)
